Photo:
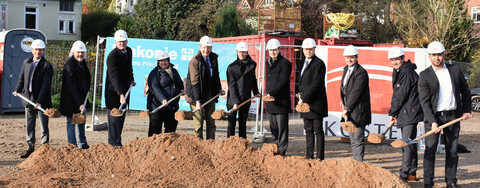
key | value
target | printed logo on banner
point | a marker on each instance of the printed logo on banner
(187, 54)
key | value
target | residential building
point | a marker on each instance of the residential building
(474, 11)
(57, 19)
(124, 6)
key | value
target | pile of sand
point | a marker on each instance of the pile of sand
(173, 160)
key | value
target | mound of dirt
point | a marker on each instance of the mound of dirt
(173, 160)
(218, 114)
(302, 107)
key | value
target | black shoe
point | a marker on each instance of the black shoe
(85, 147)
(26, 154)
(452, 185)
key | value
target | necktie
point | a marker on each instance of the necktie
(32, 70)
(210, 66)
(347, 76)
(304, 67)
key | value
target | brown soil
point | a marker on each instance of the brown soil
(218, 114)
(78, 118)
(399, 144)
(52, 112)
(115, 112)
(182, 115)
(173, 160)
(268, 98)
(144, 114)
(375, 138)
(349, 127)
(302, 107)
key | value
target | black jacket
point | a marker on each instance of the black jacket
(75, 85)
(278, 85)
(356, 96)
(119, 77)
(41, 82)
(428, 89)
(162, 87)
(312, 88)
(241, 84)
(200, 86)
(405, 102)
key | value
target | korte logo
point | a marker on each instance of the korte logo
(139, 52)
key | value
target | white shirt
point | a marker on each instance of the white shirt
(305, 65)
(349, 73)
(446, 99)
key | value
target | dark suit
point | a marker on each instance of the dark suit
(119, 78)
(429, 89)
(278, 86)
(356, 98)
(313, 92)
(241, 83)
(41, 84)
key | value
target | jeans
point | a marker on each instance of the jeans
(80, 133)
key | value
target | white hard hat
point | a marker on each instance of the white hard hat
(395, 52)
(308, 43)
(350, 51)
(161, 55)
(273, 44)
(78, 46)
(37, 44)
(205, 41)
(435, 47)
(121, 35)
(242, 47)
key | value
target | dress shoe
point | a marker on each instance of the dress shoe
(26, 154)
(85, 147)
(452, 185)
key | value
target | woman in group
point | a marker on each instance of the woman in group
(164, 83)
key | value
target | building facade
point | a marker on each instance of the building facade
(474, 11)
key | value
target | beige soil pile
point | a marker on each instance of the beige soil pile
(375, 138)
(268, 98)
(173, 160)
(78, 118)
(349, 127)
(302, 107)
(398, 144)
(115, 112)
(218, 114)
(52, 112)
(183, 115)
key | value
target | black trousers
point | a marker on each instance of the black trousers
(314, 132)
(409, 153)
(115, 127)
(30, 115)
(279, 129)
(166, 117)
(451, 158)
(242, 121)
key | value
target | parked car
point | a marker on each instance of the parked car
(475, 92)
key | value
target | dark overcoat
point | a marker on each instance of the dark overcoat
(119, 76)
(75, 85)
(241, 84)
(278, 85)
(356, 96)
(41, 82)
(312, 88)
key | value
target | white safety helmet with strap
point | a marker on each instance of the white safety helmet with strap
(78, 46)
(37, 44)
(205, 41)
(242, 47)
(395, 52)
(350, 51)
(161, 55)
(120, 35)
(308, 43)
(273, 44)
(435, 47)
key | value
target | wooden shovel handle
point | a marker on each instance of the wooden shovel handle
(29, 101)
(203, 105)
(441, 127)
(241, 104)
(388, 128)
(345, 115)
(168, 102)
(85, 101)
(126, 96)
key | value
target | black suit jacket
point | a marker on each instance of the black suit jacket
(119, 77)
(278, 85)
(356, 96)
(41, 82)
(312, 88)
(429, 88)
(75, 85)
(241, 84)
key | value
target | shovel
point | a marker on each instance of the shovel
(50, 112)
(378, 138)
(146, 113)
(79, 118)
(221, 113)
(119, 112)
(348, 125)
(182, 114)
(407, 141)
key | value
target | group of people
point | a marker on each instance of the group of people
(436, 96)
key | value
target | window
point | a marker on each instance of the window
(61, 26)
(66, 26)
(476, 15)
(267, 2)
(66, 5)
(3, 16)
(71, 26)
(30, 17)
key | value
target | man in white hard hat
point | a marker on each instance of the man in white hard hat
(312, 91)
(445, 96)
(242, 82)
(278, 86)
(75, 86)
(119, 78)
(164, 83)
(355, 94)
(202, 84)
(34, 83)
(405, 109)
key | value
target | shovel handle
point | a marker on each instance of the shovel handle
(441, 127)
(126, 96)
(241, 104)
(30, 102)
(168, 102)
(85, 101)
(204, 104)
(345, 115)
(388, 128)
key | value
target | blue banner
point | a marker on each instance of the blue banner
(180, 52)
